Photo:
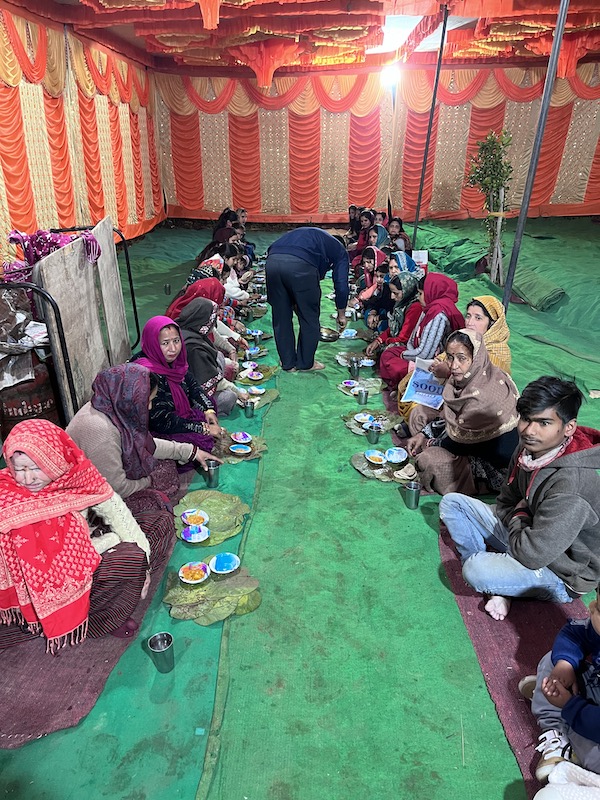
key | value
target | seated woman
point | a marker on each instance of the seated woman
(112, 430)
(225, 220)
(371, 258)
(181, 412)
(58, 579)
(376, 235)
(366, 220)
(437, 295)
(398, 239)
(401, 262)
(197, 321)
(469, 448)
(211, 260)
(403, 316)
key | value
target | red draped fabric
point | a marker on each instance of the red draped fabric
(279, 101)
(412, 164)
(557, 126)
(187, 160)
(157, 195)
(364, 158)
(244, 152)
(13, 158)
(483, 120)
(91, 155)
(304, 160)
(209, 106)
(136, 152)
(117, 154)
(60, 159)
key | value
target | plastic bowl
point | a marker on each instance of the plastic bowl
(194, 516)
(241, 437)
(194, 534)
(187, 571)
(375, 457)
(240, 449)
(396, 455)
(255, 376)
(224, 563)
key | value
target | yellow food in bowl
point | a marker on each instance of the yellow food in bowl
(193, 573)
(195, 519)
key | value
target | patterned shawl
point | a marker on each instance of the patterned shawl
(155, 361)
(197, 320)
(211, 288)
(405, 262)
(497, 335)
(47, 559)
(484, 404)
(122, 393)
(398, 312)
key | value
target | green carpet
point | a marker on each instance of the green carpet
(356, 676)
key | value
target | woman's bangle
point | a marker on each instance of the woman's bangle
(194, 453)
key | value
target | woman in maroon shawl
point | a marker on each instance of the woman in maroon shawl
(181, 411)
(437, 295)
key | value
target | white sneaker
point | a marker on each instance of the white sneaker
(554, 747)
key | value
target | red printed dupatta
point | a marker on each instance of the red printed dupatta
(47, 559)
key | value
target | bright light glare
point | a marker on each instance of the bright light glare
(390, 76)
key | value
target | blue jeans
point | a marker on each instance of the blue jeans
(474, 526)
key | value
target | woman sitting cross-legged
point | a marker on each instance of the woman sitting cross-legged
(112, 430)
(470, 446)
(437, 295)
(181, 412)
(403, 316)
(60, 577)
(197, 321)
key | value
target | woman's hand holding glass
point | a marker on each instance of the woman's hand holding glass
(202, 455)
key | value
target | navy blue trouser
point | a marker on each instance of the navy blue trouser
(294, 285)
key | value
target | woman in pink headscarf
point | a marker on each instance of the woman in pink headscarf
(181, 411)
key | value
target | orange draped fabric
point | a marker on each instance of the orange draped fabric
(412, 163)
(61, 161)
(101, 81)
(140, 202)
(13, 160)
(520, 94)
(364, 158)
(209, 106)
(557, 126)
(91, 155)
(305, 164)
(187, 160)
(274, 103)
(244, 157)
(483, 120)
(459, 98)
(125, 87)
(344, 103)
(117, 151)
(157, 194)
(34, 72)
(584, 91)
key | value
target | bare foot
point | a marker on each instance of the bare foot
(498, 607)
(316, 366)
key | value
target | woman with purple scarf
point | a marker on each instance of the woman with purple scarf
(181, 412)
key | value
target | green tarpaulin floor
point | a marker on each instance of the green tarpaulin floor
(355, 678)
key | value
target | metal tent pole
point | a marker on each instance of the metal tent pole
(537, 146)
(430, 124)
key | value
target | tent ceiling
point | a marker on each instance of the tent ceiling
(225, 36)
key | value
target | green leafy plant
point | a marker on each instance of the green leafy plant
(490, 171)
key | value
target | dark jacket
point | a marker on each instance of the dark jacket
(561, 527)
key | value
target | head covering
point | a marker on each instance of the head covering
(484, 404)
(398, 312)
(154, 359)
(406, 263)
(376, 255)
(122, 394)
(382, 234)
(224, 235)
(441, 294)
(197, 320)
(206, 269)
(211, 288)
(47, 559)
(497, 335)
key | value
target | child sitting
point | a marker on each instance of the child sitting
(377, 301)
(566, 697)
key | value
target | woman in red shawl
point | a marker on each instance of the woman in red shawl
(57, 578)
(437, 295)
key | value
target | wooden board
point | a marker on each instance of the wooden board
(71, 280)
(113, 307)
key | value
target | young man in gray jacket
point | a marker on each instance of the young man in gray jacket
(545, 526)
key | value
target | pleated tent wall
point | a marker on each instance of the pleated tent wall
(312, 145)
(87, 133)
(78, 134)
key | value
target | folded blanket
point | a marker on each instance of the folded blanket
(538, 292)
